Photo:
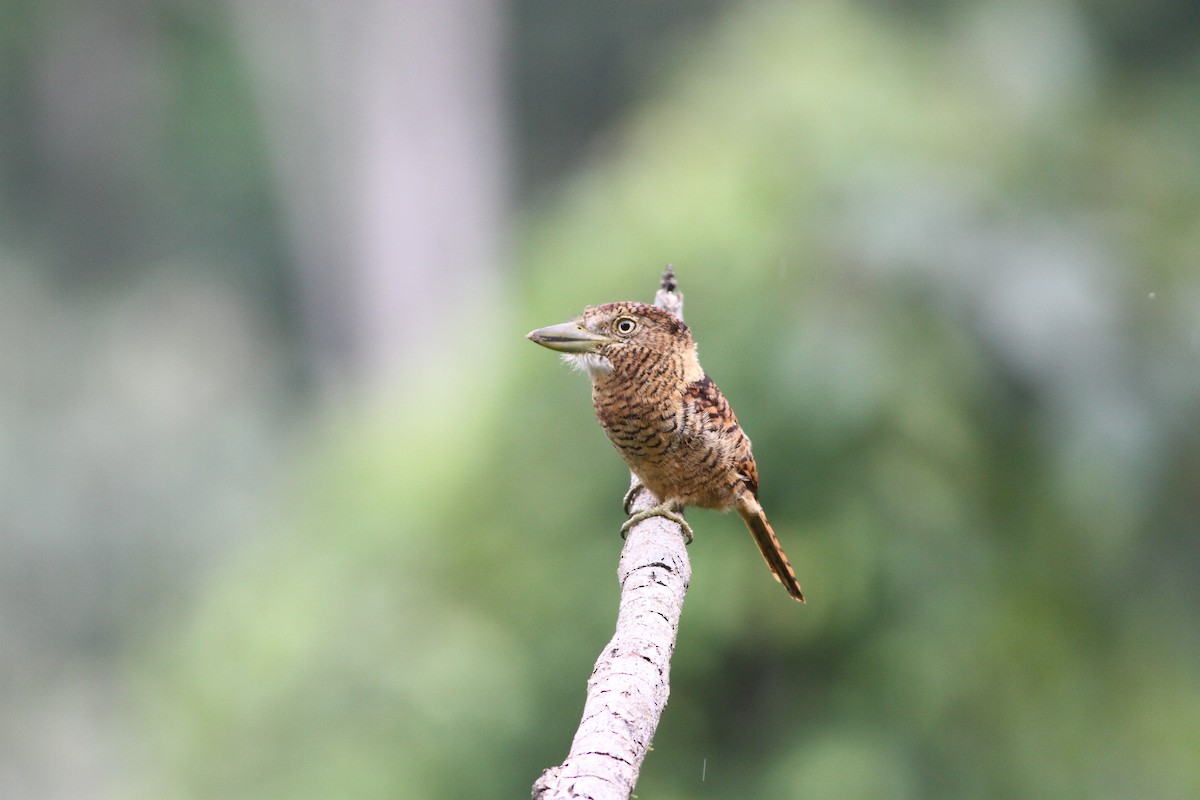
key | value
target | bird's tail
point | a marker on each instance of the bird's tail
(749, 509)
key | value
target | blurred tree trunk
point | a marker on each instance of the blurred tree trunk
(384, 119)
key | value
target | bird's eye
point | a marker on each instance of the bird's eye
(625, 326)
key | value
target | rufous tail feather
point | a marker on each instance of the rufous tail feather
(749, 509)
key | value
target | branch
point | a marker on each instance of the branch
(630, 683)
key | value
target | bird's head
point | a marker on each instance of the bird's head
(621, 336)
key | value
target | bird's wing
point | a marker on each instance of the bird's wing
(706, 401)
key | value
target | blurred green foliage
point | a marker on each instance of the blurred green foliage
(954, 303)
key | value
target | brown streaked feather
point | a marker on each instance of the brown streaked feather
(670, 422)
(764, 536)
(709, 403)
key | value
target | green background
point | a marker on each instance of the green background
(942, 259)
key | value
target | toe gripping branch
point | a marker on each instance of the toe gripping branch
(666, 510)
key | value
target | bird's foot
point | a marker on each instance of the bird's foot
(665, 510)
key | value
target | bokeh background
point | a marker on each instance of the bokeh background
(289, 507)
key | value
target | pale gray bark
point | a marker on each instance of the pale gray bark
(631, 680)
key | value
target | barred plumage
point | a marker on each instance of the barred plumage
(665, 416)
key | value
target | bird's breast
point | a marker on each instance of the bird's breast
(666, 441)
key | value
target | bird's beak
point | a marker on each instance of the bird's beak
(569, 337)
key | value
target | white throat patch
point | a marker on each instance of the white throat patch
(591, 363)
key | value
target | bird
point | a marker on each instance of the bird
(667, 419)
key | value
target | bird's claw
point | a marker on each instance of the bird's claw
(665, 510)
(630, 496)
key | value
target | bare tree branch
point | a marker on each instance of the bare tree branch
(631, 681)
